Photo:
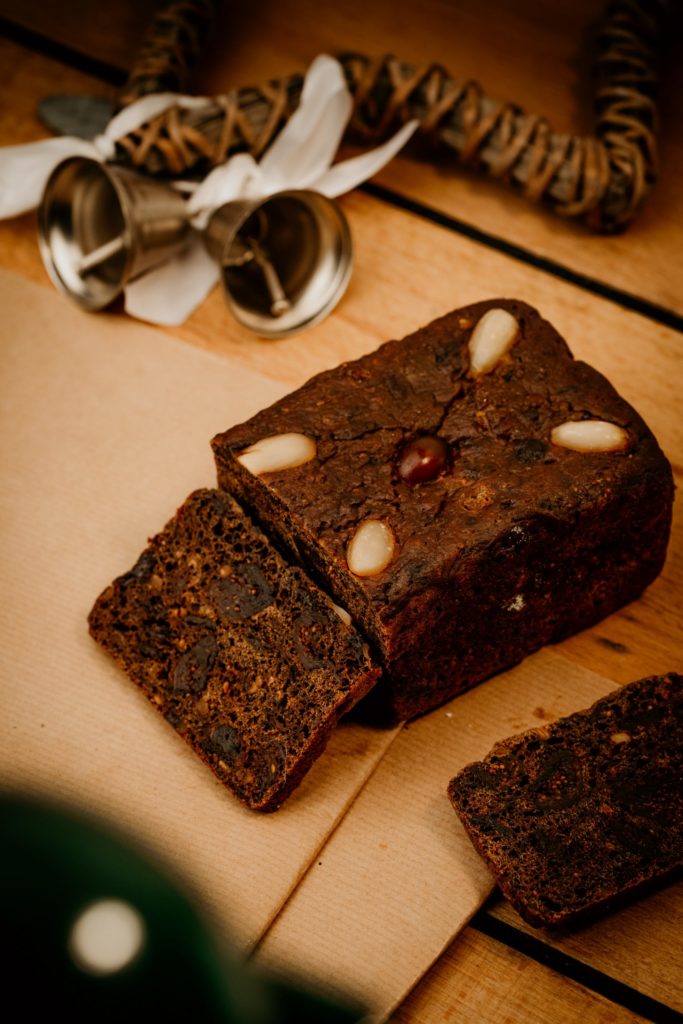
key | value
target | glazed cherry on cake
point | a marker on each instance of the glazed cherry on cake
(424, 458)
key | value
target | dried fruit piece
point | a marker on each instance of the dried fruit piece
(530, 450)
(244, 593)
(371, 548)
(590, 436)
(191, 673)
(493, 336)
(423, 459)
(224, 741)
(311, 630)
(281, 451)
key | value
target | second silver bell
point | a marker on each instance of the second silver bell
(285, 260)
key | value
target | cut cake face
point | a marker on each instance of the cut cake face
(571, 816)
(247, 659)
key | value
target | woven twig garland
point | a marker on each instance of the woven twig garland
(603, 179)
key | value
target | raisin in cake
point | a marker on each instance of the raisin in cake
(469, 493)
(575, 814)
(247, 659)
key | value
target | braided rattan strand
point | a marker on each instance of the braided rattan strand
(603, 179)
(171, 45)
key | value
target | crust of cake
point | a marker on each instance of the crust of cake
(515, 544)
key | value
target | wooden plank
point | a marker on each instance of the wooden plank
(491, 43)
(642, 262)
(109, 32)
(27, 77)
(638, 944)
(480, 981)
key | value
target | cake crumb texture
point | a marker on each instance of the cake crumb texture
(574, 814)
(239, 651)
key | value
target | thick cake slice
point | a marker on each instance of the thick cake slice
(570, 816)
(246, 658)
(469, 493)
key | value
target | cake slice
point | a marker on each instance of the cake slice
(247, 659)
(469, 493)
(571, 816)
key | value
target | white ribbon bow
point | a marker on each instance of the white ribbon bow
(300, 157)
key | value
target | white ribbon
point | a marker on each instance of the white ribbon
(24, 170)
(300, 157)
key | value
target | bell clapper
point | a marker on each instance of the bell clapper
(252, 250)
(99, 255)
(279, 303)
(285, 259)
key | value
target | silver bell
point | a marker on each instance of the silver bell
(101, 226)
(285, 260)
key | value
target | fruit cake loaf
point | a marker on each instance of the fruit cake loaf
(247, 659)
(571, 816)
(470, 493)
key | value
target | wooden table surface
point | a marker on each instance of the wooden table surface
(429, 237)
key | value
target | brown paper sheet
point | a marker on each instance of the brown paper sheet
(105, 426)
(399, 878)
(105, 429)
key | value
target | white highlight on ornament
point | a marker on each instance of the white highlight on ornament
(281, 451)
(371, 548)
(493, 336)
(106, 937)
(590, 436)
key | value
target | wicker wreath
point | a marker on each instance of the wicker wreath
(602, 179)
